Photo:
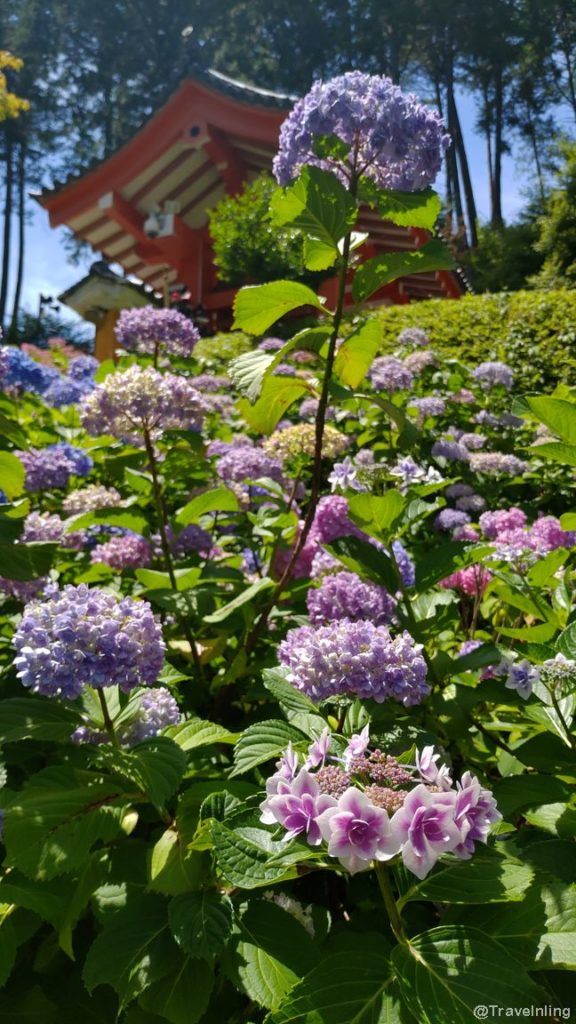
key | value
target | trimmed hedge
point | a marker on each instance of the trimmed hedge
(535, 332)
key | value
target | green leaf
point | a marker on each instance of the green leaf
(278, 394)
(31, 1007)
(345, 988)
(556, 451)
(182, 997)
(154, 766)
(558, 818)
(12, 475)
(355, 355)
(35, 718)
(274, 952)
(134, 950)
(487, 878)
(111, 517)
(263, 741)
(55, 820)
(317, 204)
(26, 561)
(173, 868)
(566, 642)
(197, 733)
(387, 267)
(250, 370)
(518, 792)
(443, 974)
(10, 429)
(408, 209)
(186, 579)
(244, 862)
(378, 515)
(246, 596)
(287, 696)
(8, 946)
(558, 415)
(201, 922)
(535, 634)
(444, 560)
(319, 255)
(257, 307)
(366, 560)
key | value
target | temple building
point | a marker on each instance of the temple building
(145, 206)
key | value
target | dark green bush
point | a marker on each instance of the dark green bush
(535, 332)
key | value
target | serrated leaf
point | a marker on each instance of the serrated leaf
(319, 255)
(556, 451)
(316, 203)
(201, 922)
(274, 952)
(356, 353)
(244, 862)
(408, 209)
(181, 997)
(250, 370)
(490, 878)
(263, 741)
(198, 733)
(12, 475)
(388, 267)
(173, 868)
(134, 950)
(257, 307)
(443, 974)
(37, 718)
(377, 514)
(558, 415)
(566, 642)
(366, 560)
(278, 394)
(154, 766)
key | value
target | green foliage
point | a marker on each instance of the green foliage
(505, 258)
(557, 225)
(531, 331)
(247, 244)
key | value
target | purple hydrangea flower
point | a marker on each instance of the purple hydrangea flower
(21, 371)
(64, 391)
(358, 832)
(53, 466)
(493, 373)
(87, 499)
(429, 406)
(471, 503)
(452, 451)
(405, 564)
(271, 344)
(210, 383)
(128, 552)
(419, 361)
(451, 519)
(391, 375)
(521, 677)
(79, 637)
(344, 595)
(426, 828)
(297, 808)
(149, 330)
(345, 475)
(83, 368)
(357, 746)
(475, 812)
(355, 657)
(331, 520)
(318, 750)
(546, 535)
(127, 404)
(192, 538)
(23, 590)
(501, 521)
(157, 710)
(495, 463)
(248, 462)
(393, 139)
(413, 336)
(429, 771)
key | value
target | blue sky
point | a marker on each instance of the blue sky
(49, 272)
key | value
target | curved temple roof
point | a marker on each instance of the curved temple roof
(210, 137)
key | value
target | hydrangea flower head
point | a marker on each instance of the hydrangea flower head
(358, 832)
(355, 658)
(497, 463)
(300, 439)
(128, 552)
(491, 374)
(83, 368)
(393, 139)
(79, 637)
(127, 404)
(248, 462)
(23, 372)
(413, 336)
(148, 330)
(91, 497)
(390, 374)
(53, 466)
(343, 595)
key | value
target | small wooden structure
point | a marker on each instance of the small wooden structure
(145, 206)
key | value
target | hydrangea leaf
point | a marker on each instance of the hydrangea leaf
(487, 878)
(201, 922)
(38, 718)
(218, 499)
(155, 766)
(356, 353)
(407, 209)
(26, 561)
(388, 267)
(278, 394)
(273, 953)
(318, 204)
(443, 974)
(181, 997)
(319, 255)
(257, 307)
(262, 742)
(242, 599)
(250, 370)
(244, 859)
(12, 475)
(558, 415)
(377, 514)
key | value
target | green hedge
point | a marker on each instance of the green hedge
(535, 332)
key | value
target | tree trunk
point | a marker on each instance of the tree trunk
(465, 172)
(496, 218)
(7, 233)
(451, 158)
(570, 79)
(21, 193)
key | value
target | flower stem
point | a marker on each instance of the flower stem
(109, 724)
(165, 544)
(316, 482)
(383, 876)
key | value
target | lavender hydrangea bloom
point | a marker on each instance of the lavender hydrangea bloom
(331, 520)
(521, 677)
(53, 466)
(127, 404)
(271, 344)
(298, 807)
(83, 368)
(358, 832)
(495, 463)
(501, 520)
(345, 596)
(318, 750)
(420, 360)
(87, 499)
(428, 406)
(345, 475)
(355, 657)
(128, 552)
(79, 459)
(211, 383)
(192, 538)
(426, 828)
(42, 526)
(391, 375)
(413, 336)
(474, 814)
(452, 451)
(79, 637)
(393, 139)
(23, 590)
(157, 710)
(21, 371)
(149, 330)
(405, 564)
(451, 519)
(248, 462)
(430, 772)
(64, 391)
(492, 373)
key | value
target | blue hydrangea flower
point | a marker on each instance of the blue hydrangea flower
(344, 595)
(25, 373)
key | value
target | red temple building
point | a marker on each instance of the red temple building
(145, 206)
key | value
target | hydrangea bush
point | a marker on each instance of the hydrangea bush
(286, 710)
